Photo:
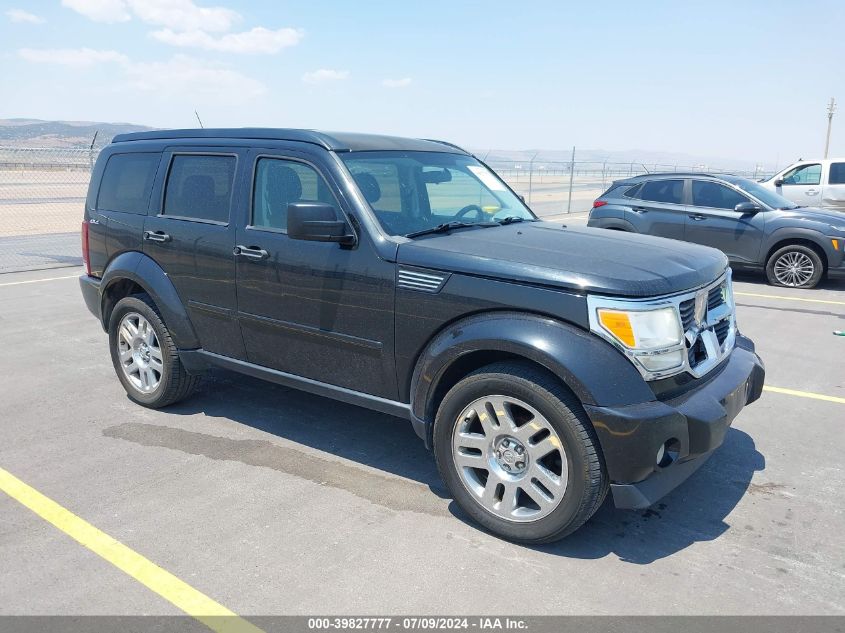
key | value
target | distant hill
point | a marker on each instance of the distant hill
(38, 133)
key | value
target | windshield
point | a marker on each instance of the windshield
(764, 195)
(410, 192)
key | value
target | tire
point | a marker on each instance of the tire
(150, 353)
(795, 266)
(466, 444)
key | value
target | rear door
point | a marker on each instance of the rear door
(833, 195)
(657, 208)
(712, 221)
(191, 235)
(803, 185)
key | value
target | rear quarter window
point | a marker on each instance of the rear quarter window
(127, 182)
(199, 187)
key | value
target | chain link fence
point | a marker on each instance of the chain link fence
(42, 195)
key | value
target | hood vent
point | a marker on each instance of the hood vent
(431, 282)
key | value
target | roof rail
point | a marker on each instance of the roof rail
(447, 144)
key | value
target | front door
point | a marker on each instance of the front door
(191, 236)
(712, 221)
(803, 185)
(312, 309)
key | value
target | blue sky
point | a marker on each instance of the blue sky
(746, 80)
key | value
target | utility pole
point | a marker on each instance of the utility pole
(831, 108)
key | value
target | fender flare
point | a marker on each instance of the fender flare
(791, 233)
(613, 223)
(592, 368)
(144, 271)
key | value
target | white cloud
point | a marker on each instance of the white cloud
(78, 57)
(184, 15)
(396, 83)
(257, 40)
(183, 75)
(323, 75)
(180, 15)
(19, 15)
(108, 11)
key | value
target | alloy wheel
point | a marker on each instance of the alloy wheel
(794, 268)
(510, 458)
(139, 352)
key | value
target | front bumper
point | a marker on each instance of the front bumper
(694, 423)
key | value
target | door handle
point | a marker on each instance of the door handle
(252, 252)
(811, 192)
(697, 217)
(639, 209)
(156, 236)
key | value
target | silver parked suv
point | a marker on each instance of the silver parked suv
(755, 227)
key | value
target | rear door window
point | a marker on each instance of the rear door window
(837, 174)
(199, 187)
(714, 195)
(127, 182)
(668, 191)
(633, 192)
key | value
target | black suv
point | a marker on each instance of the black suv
(543, 364)
(754, 226)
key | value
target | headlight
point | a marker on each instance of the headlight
(646, 330)
(651, 337)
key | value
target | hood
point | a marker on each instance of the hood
(814, 214)
(576, 258)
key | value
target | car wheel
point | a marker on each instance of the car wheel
(519, 454)
(144, 356)
(795, 266)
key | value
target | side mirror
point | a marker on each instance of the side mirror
(317, 222)
(779, 182)
(748, 208)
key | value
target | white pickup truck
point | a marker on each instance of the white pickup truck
(812, 183)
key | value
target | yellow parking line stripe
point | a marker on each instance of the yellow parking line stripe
(757, 294)
(37, 281)
(804, 394)
(215, 616)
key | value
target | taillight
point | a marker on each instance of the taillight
(599, 203)
(85, 258)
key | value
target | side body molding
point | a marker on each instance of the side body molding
(596, 372)
(143, 270)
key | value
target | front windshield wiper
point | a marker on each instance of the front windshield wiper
(448, 226)
(512, 219)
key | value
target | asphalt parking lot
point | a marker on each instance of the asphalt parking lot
(271, 501)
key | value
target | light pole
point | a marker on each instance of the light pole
(831, 108)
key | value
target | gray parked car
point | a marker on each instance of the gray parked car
(755, 227)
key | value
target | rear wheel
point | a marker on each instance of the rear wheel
(795, 266)
(144, 356)
(518, 453)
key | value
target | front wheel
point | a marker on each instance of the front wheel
(518, 453)
(795, 266)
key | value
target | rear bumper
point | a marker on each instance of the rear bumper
(91, 294)
(695, 423)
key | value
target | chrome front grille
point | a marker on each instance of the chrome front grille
(707, 316)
